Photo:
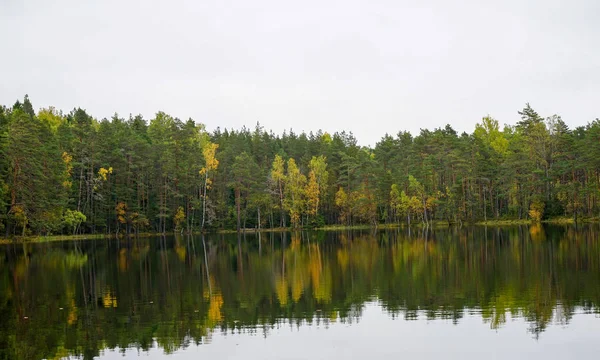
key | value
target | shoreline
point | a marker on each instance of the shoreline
(434, 224)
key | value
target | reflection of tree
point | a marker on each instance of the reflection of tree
(57, 299)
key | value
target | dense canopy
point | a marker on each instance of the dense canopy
(71, 173)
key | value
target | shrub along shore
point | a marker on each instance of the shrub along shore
(432, 225)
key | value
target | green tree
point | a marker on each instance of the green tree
(244, 179)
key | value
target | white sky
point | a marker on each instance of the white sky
(370, 67)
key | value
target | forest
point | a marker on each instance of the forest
(69, 173)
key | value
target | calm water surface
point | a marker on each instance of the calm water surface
(519, 292)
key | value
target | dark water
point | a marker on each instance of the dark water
(514, 292)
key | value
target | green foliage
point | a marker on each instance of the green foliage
(245, 175)
(72, 219)
(166, 173)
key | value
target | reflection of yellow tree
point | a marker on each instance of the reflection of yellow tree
(296, 241)
(442, 275)
(320, 276)
(314, 265)
(180, 250)
(214, 310)
(297, 287)
(72, 316)
(213, 295)
(123, 260)
(295, 257)
(207, 289)
(343, 258)
(281, 289)
(323, 289)
(109, 299)
(536, 232)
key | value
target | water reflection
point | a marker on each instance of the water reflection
(77, 298)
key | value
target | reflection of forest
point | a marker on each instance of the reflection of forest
(78, 298)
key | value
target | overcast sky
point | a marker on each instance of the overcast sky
(367, 66)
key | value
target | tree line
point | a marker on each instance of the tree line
(71, 173)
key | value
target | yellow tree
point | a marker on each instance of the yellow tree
(278, 177)
(318, 167)
(312, 194)
(53, 118)
(341, 201)
(179, 218)
(121, 211)
(414, 206)
(209, 151)
(102, 173)
(418, 192)
(67, 159)
(536, 210)
(399, 202)
(295, 192)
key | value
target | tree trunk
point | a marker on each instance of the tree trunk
(80, 189)
(238, 205)
(484, 207)
(282, 220)
(258, 221)
(204, 202)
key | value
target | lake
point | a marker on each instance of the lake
(519, 292)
